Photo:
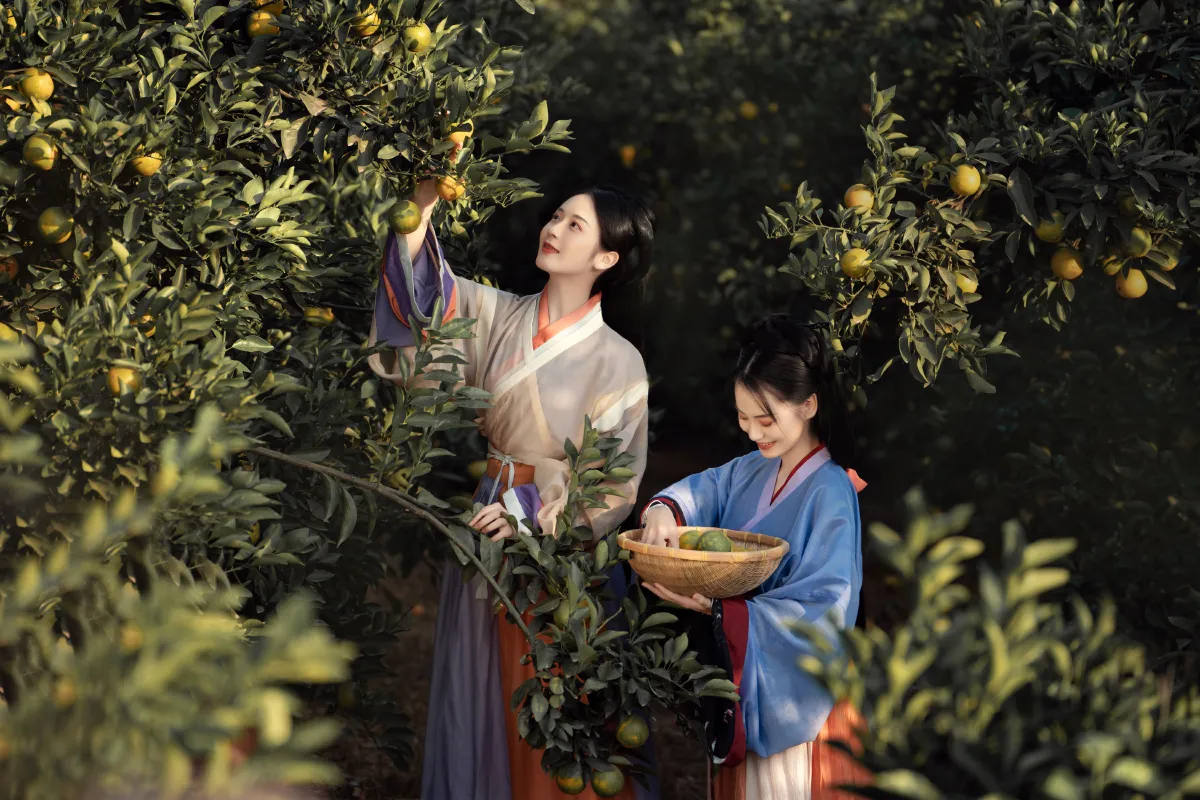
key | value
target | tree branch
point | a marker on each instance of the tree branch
(412, 507)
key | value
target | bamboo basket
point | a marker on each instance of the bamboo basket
(716, 575)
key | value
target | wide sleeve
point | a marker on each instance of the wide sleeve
(756, 641)
(698, 500)
(625, 416)
(782, 705)
(409, 294)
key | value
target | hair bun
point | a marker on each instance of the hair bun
(789, 336)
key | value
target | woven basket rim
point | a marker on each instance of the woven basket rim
(777, 550)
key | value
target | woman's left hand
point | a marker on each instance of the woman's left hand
(490, 520)
(696, 602)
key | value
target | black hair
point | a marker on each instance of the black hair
(789, 360)
(626, 228)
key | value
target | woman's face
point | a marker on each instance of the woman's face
(778, 428)
(570, 242)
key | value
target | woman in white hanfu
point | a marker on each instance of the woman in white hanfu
(548, 360)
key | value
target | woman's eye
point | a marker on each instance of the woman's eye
(574, 225)
(766, 424)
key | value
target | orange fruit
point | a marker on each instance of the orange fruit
(1067, 263)
(131, 638)
(716, 542)
(859, 197)
(608, 783)
(1132, 285)
(39, 152)
(1171, 251)
(366, 24)
(320, 317)
(405, 217)
(965, 181)
(1052, 229)
(55, 225)
(37, 84)
(855, 262)
(632, 732)
(147, 165)
(570, 779)
(628, 155)
(450, 189)
(261, 23)
(65, 693)
(417, 38)
(272, 7)
(1139, 243)
(748, 110)
(124, 379)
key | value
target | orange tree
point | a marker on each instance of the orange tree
(714, 107)
(1070, 184)
(193, 197)
(115, 678)
(1022, 196)
(999, 683)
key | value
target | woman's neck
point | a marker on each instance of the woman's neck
(803, 446)
(565, 293)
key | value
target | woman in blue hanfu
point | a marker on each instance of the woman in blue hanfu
(548, 360)
(772, 744)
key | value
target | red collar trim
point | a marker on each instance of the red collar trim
(795, 469)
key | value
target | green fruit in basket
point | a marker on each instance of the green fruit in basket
(716, 542)
(689, 540)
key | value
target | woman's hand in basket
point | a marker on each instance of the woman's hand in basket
(660, 528)
(696, 602)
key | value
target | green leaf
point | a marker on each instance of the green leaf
(539, 119)
(527, 6)
(253, 344)
(906, 783)
(1046, 551)
(976, 381)
(538, 705)
(349, 517)
(660, 618)
(1021, 192)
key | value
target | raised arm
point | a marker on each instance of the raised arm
(414, 277)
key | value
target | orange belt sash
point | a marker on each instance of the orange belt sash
(521, 474)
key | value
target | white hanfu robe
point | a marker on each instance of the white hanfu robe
(543, 377)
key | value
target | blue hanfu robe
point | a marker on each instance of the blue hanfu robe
(818, 582)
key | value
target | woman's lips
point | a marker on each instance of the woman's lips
(549, 248)
(765, 445)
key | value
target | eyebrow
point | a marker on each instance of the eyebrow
(767, 415)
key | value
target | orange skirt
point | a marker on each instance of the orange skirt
(830, 768)
(527, 778)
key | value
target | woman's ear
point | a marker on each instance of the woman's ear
(606, 260)
(808, 409)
